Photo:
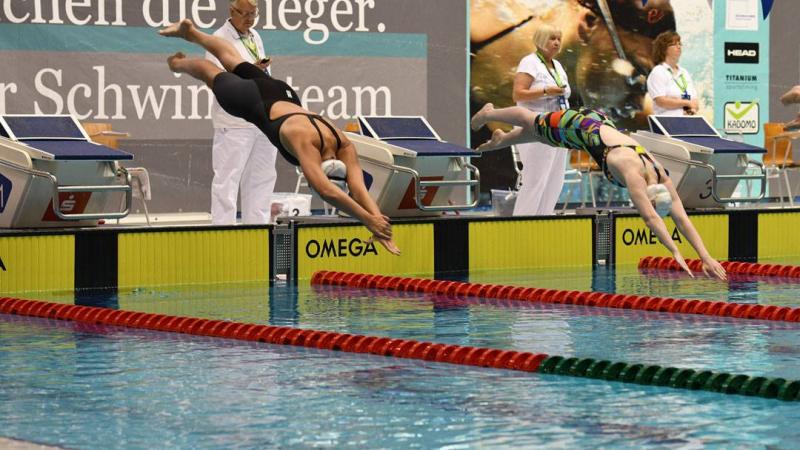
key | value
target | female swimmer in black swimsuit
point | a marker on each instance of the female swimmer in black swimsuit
(623, 160)
(248, 92)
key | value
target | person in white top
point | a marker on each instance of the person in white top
(670, 85)
(242, 157)
(541, 85)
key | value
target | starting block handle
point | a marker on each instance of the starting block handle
(57, 189)
(473, 183)
(87, 216)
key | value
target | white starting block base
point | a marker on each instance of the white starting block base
(705, 168)
(51, 175)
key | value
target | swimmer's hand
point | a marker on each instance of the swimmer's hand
(681, 262)
(388, 244)
(379, 225)
(713, 268)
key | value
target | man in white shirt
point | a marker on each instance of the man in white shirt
(242, 157)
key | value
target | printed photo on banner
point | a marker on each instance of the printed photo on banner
(605, 50)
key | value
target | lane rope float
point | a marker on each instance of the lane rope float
(557, 296)
(678, 378)
(732, 267)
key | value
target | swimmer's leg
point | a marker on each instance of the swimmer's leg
(501, 139)
(222, 49)
(201, 69)
(513, 115)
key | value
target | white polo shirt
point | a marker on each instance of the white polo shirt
(662, 81)
(534, 67)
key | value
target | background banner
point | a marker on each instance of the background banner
(601, 76)
(742, 69)
(103, 61)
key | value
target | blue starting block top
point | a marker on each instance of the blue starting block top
(411, 133)
(721, 145)
(58, 137)
(696, 130)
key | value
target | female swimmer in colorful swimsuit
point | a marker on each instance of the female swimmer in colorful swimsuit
(624, 162)
(303, 138)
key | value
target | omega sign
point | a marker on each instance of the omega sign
(339, 248)
(643, 236)
(741, 52)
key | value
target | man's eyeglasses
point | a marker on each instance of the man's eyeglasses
(250, 14)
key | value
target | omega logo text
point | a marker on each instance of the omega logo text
(339, 248)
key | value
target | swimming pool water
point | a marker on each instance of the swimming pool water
(82, 386)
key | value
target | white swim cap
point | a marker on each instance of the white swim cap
(334, 169)
(659, 195)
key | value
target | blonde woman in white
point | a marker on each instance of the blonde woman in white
(541, 85)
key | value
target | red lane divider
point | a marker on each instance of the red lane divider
(732, 267)
(581, 298)
(326, 340)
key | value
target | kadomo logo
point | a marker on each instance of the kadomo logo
(340, 248)
(741, 117)
(5, 192)
(741, 52)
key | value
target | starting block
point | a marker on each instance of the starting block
(409, 170)
(52, 175)
(704, 167)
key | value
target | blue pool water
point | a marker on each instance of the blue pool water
(80, 386)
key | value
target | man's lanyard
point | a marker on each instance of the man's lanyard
(250, 45)
(682, 84)
(553, 71)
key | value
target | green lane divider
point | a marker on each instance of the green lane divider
(673, 377)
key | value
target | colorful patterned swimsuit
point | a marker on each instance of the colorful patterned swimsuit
(580, 130)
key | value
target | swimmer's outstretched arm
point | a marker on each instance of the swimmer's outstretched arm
(637, 189)
(358, 204)
(711, 267)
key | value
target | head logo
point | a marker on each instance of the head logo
(741, 52)
(5, 192)
(741, 117)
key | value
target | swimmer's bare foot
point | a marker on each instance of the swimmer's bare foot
(178, 29)
(794, 125)
(174, 62)
(791, 96)
(494, 143)
(479, 119)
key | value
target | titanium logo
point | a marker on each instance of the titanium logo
(741, 117)
(5, 193)
(340, 248)
(741, 52)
